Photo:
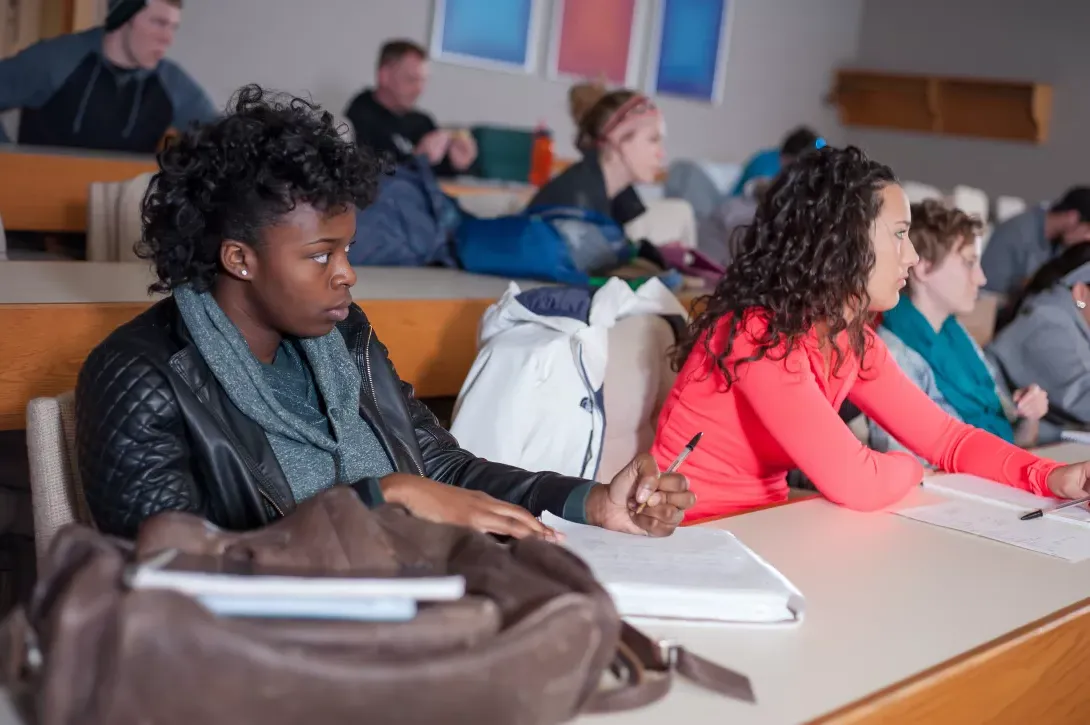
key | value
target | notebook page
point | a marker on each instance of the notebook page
(959, 485)
(1076, 436)
(696, 572)
(1045, 535)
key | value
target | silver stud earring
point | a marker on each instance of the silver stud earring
(245, 272)
(1080, 304)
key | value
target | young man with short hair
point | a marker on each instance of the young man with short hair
(109, 88)
(1019, 246)
(387, 121)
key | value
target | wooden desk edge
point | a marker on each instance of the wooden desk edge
(1037, 665)
(1035, 673)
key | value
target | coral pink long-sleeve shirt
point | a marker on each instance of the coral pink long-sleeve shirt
(781, 413)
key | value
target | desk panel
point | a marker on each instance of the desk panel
(47, 190)
(54, 313)
(432, 343)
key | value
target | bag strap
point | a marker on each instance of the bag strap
(646, 667)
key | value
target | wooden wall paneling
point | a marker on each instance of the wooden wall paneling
(87, 14)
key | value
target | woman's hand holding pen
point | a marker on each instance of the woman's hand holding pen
(665, 496)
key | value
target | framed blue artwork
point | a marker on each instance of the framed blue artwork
(689, 51)
(495, 34)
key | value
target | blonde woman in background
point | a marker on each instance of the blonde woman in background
(620, 134)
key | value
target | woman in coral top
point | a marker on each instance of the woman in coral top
(785, 339)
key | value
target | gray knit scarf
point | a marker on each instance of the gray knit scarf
(311, 458)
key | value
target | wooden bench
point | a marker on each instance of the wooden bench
(47, 190)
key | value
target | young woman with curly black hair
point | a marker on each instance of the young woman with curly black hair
(785, 339)
(258, 383)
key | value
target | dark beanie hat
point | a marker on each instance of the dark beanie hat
(120, 12)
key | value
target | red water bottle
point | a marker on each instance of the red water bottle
(541, 156)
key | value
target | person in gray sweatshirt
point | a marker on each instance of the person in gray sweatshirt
(1048, 340)
(110, 88)
(1020, 245)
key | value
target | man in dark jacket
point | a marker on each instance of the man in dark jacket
(110, 88)
(259, 383)
(387, 121)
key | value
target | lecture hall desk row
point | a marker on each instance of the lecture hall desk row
(905, 624)
(53, 313)
(46, 190)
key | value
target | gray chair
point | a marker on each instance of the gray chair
(55, 488)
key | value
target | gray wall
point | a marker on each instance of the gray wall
(782, 54)
(1040, 40)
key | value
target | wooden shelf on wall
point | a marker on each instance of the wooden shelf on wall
(975, 107)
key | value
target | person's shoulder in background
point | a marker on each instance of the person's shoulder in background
(762, 165)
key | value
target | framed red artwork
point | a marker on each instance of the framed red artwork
(596, 39)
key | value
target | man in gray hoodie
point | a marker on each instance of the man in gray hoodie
(109, 88)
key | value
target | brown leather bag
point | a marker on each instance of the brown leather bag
(529, 643)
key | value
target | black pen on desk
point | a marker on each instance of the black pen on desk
(1041, 512)
(677, 463)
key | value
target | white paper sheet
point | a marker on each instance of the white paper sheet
(1076, 436)
(1047, 535)
(1012, 499)
(698, 573)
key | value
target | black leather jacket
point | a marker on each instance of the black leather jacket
(156, 432)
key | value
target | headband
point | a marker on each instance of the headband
(121, 12)
(634, 112)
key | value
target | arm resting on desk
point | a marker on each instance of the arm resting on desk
(448, 463)
(785, 397)
(885, 394)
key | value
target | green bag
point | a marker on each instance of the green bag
(503, 154)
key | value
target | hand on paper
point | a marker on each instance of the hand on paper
(667, 497)
(438, 502)
(1070, 481)
(1032, 402)
(435, 146)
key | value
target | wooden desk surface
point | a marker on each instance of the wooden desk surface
(46, 190)
(905, 623)
(53, 314)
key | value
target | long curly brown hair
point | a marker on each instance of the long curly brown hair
(805, 260)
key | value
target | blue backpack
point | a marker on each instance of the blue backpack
(551, 244)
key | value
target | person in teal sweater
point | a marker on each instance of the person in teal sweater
(935, 351)
(768, 163)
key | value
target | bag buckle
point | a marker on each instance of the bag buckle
(668, 652)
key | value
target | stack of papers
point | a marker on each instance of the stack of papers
(378, 599)
(991, 510)
(697, 574)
